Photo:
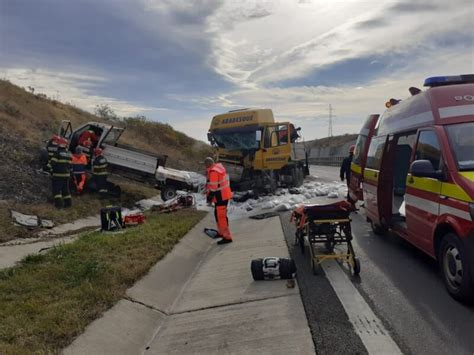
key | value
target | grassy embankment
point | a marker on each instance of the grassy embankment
(83, 206)
(48, 300)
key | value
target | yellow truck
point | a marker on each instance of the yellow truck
(257, 152)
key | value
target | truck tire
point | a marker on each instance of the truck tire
(456, 269)
(168, 192)
(287, 268)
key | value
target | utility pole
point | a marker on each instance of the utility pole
(330, 121)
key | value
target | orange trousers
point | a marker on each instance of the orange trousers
(220, 212)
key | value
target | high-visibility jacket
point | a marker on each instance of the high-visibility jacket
(79, 163)
(218, 185)
(61, 163)
(99, 166)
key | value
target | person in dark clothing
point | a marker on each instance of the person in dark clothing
(100, 173)
(61, 164)
(345, 171)
(52, 148)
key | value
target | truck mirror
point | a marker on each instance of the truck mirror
(258, 135)
(424, 168)
(210, 138)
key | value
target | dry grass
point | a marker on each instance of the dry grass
(49, 299)
(83, 206)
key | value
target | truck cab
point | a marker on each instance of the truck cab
(256, 151)
(418, 177)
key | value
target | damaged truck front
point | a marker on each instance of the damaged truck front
(258, 153)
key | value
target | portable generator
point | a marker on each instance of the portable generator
(272, 268)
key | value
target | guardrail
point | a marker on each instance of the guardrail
(331, 161)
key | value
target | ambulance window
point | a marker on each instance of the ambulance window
(374, 156)
(428, 148)
(359, 149)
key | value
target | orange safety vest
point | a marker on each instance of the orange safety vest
(79, 163)
(218, 185)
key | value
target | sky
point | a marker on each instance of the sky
(183, 61)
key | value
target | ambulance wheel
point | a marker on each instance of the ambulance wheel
(168, 192)
(257, 269)
(457, 272)
(356, 267)
(378, 229)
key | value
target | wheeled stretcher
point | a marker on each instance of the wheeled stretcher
(325, 226)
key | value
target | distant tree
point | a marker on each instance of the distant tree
(106, 112)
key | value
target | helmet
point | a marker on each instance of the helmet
(55, 139)
(98, 151)
(62, 142)
(352, 148)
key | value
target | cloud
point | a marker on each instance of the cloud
(73, 88)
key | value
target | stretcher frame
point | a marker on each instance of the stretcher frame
(329, 226)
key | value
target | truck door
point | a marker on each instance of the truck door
(360, 157)
(65, 129)
(423, 193)
(276, 147)
(372, 186)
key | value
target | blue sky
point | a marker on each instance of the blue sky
(182, 62)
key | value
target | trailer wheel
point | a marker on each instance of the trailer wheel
(457, 272)
(256, 266)
(168, 192)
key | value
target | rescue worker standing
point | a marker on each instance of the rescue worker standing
(346, 170)
(79, 164)
(346, 166)
(52, 148)
(100, 173)
(61, 172)
(219, 193)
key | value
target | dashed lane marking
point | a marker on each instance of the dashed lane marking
(367, 325)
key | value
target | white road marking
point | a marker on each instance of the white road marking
(367, 325)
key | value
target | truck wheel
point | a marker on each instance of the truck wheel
(256, 266)
(287, 268)
(168, 192)
(457, 272)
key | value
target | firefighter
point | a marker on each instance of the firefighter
(79, 164)
(61, 172)
(86, 136)
(346, 170)
(219, 193)
(52, 148)
(99, 172)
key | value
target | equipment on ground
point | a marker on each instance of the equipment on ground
(272, 268)
(111, 219)
(328, 226)
(257, 152)
(126, 161)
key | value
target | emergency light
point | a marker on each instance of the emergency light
(449, 80)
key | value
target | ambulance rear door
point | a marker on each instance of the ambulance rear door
(360, 157)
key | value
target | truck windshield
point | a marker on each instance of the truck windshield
(237, 140)
(462, 143)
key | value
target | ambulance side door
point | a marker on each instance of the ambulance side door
(423, 193)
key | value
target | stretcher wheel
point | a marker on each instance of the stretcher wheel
(257, 269)
(301, 242)
(315, 267)
(356, 267)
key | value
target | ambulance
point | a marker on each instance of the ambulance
(414, 169)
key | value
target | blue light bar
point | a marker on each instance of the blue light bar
(449, 80)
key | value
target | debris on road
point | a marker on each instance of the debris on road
(30, 221)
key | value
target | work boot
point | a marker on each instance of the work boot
(224, 241)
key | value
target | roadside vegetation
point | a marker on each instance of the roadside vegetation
(49, 299)
(82, 206)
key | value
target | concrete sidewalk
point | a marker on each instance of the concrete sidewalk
(201, 298)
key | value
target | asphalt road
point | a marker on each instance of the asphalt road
(399, 282)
